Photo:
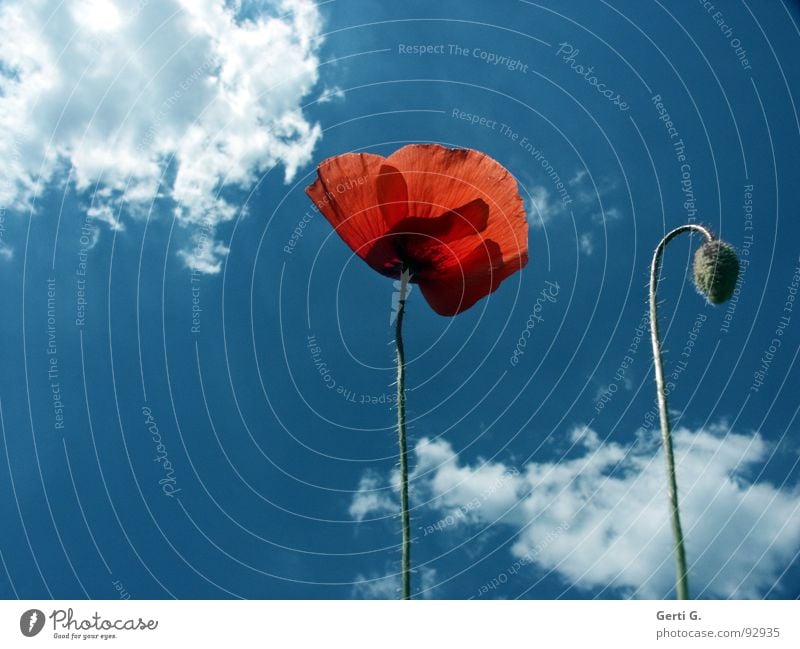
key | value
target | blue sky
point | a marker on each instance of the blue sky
(194, 407)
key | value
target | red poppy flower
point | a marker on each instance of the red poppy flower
(453, 217)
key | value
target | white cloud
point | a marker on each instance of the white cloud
(372, 498)
(388, 586)
(105, 212)
(483, 492)
(586, 243)
(577, 179)
(591, 192)
(542, 207)
(204, 255)
(599, 517)
(330, 94)
(585, 437)
(614, 500)
(183, 100)
(5, 250)
(606, 215)
(438, 481)
(591, 189)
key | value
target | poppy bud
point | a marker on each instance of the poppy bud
(716, 268)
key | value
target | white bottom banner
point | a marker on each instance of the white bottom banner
(390, 624)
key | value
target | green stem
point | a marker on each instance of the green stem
(401, 434)
(681, 584)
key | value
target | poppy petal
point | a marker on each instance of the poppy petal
(467, 220)
(392, 195)
(426, 243)
(458, 287)
(434, 241)
(345, 191)
(454, 216)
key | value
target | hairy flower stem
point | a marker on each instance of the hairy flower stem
(681, 584)
(401, 434)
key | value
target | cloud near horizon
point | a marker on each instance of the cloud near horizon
(604, 511)
(388, 586)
